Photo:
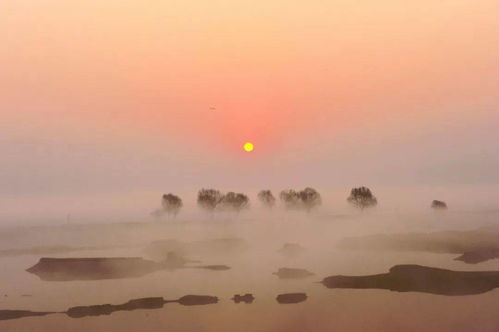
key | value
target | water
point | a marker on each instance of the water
(251, 272)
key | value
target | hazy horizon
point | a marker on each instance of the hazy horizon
(100, 98)
(108, 105)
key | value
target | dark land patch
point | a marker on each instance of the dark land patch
(292, 273)
(291, 298)
(417, 278)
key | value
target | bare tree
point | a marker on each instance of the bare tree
(307, 199)
(266, 198)
(362, 198)
(234, 201)
(209, 199)
(439, 205)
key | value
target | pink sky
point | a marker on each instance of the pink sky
(109, 95)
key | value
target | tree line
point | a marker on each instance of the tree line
(213, 200)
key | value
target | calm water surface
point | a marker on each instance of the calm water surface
(251, 272)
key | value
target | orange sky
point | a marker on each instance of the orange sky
(102, 80)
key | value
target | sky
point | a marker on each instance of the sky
(128, 95)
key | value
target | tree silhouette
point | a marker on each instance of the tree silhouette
(290, 198)
(310, 198)
(234, 201)
(438, 205)
(362, 198)
(171, 204)
(307, 199)
(213, 200)
(266, 198)
(208, 199)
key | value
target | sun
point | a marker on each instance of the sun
(248, 146)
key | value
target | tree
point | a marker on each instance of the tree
(171, 204)
(307, 199)
(439, 205)
(209, 199)
(310, 198)
(266, 198)
(290, 198)
(362, 198)
(234, 201)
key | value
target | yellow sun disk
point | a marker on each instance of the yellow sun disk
(248, 146)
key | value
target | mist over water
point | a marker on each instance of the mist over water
(120, 226)
(105, 106)
(136, 206)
